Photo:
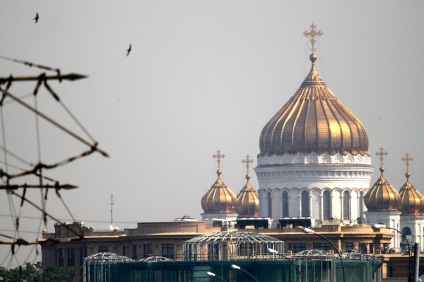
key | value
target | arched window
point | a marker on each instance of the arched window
(326, 202)
(305, 204)
(269, 204)
(361, 205)
(285, 204)
(346, 205)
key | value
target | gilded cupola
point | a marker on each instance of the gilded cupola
(382, 196)
(219, 198)
(247, 200)
(412, 200)
(313, 120)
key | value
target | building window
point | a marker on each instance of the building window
(297, 247)
(269, 204)
(349, 247)
(305, 204)
(326, 202)
(60, 257)
(134, 252)
(322, 246)
(363, 248)
(346, 205)
(285, 204)
(168, 250)
(71, 256)
(83, 254)
(124, 251)
(147, 250)
(103, 249)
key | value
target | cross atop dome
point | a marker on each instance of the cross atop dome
(218, 156)
(407, 159)
(312, 33)
(381, 153)
(247, 160)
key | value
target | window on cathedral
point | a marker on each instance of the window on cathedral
(285, 204)
(361, 206)
(305, 204)
(269, 204)
(346, 205)
(327, 205)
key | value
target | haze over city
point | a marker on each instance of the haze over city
(200, 76)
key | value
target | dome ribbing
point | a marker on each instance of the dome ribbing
(382, 196)
(313, 120)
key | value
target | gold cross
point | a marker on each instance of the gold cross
(381, 153)
(247, 161)
(218, 156)
(312, 34)
(407, 159)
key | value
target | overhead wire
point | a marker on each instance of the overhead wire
(16, 240)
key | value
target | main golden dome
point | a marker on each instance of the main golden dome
(382, 196)
(313, 120)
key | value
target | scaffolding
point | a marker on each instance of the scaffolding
(312, 267)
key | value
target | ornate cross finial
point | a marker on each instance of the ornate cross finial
(407, 159)
(247, 161)
(218, 156)
(312, 34)
(381, 153)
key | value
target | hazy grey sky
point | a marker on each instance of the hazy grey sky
(202, 76)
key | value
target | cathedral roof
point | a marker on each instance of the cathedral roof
(313, 120)
(247, 201)
(219, 198)
(382, 196)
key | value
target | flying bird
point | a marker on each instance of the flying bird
(129, 50)
(36, 18)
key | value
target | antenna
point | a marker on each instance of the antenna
(111, 209)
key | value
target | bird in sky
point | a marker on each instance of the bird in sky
(129, 50)
(36, 18)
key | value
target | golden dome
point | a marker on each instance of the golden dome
(412, 201)
(219, 198)
(313, 120)
(247, 201)
(382, 196)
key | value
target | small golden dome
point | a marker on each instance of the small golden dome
(247, 201)
(412, 200)
(382, 196)
(219, 198)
